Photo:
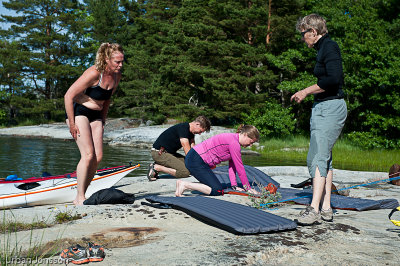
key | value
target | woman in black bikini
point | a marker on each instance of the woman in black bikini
(86, 105)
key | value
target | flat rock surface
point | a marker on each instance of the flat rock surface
(142, 235)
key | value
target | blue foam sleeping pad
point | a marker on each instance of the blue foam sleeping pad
(303, 196)
(338, 201)
(232, 217)
(254, 176)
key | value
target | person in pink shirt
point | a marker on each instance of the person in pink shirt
(219, 148)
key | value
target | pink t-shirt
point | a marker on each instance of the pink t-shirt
(224, 147)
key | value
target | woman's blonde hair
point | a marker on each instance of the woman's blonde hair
(250, 131)
(312, 21)
(105, 52)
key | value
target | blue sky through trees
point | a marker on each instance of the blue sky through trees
(5, 11)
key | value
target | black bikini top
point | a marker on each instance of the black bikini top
(97, 92)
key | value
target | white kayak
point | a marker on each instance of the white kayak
(56, 189)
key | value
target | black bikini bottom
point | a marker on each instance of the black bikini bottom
(80, 109)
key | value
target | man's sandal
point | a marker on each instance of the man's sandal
(152, 174)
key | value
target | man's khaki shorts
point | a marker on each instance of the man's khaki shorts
(175, 161)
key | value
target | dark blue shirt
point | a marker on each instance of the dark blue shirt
(328, 69)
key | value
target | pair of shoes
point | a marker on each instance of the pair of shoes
(327, 215)
(308, 217)
(152, 174)
(80, 255)
(75, 254)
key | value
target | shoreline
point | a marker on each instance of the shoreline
(117, 132)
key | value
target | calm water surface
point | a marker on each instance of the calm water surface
(28, 157)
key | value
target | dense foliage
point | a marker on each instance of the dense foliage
(231, 60)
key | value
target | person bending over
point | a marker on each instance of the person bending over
(164, 151)
(219, 148)
(86, 106)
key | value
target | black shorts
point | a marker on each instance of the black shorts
(80, 109)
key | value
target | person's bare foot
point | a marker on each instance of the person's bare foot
(180, 188)
(78, 202)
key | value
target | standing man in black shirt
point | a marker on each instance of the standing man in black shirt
(164, 151)
(328, 115)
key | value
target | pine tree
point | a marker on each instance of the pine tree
(148, 23)
(11, 79)
(49, 52)
(106, 20)
(200, 59)
(52, 53)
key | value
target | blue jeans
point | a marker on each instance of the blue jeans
(202, 172)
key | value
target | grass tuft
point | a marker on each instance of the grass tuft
(66, 216)
(18, 226)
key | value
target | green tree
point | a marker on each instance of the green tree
(48, 46)
(106, 20)
(272, 120)
(227, 59)
(200, 57)
(11, 77)
(143, 38)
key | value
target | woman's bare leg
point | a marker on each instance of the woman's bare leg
(326, 198)
(181, 186)
(97, 135)
(88, 163)
(319, 183)
(97, 138)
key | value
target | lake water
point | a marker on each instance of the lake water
(28, 157)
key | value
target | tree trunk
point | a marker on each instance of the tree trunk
(267, 39)
(249, 34)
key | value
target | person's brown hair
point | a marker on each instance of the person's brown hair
(204, 122)
(105, 52)
(250, 131)
(312, 21)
